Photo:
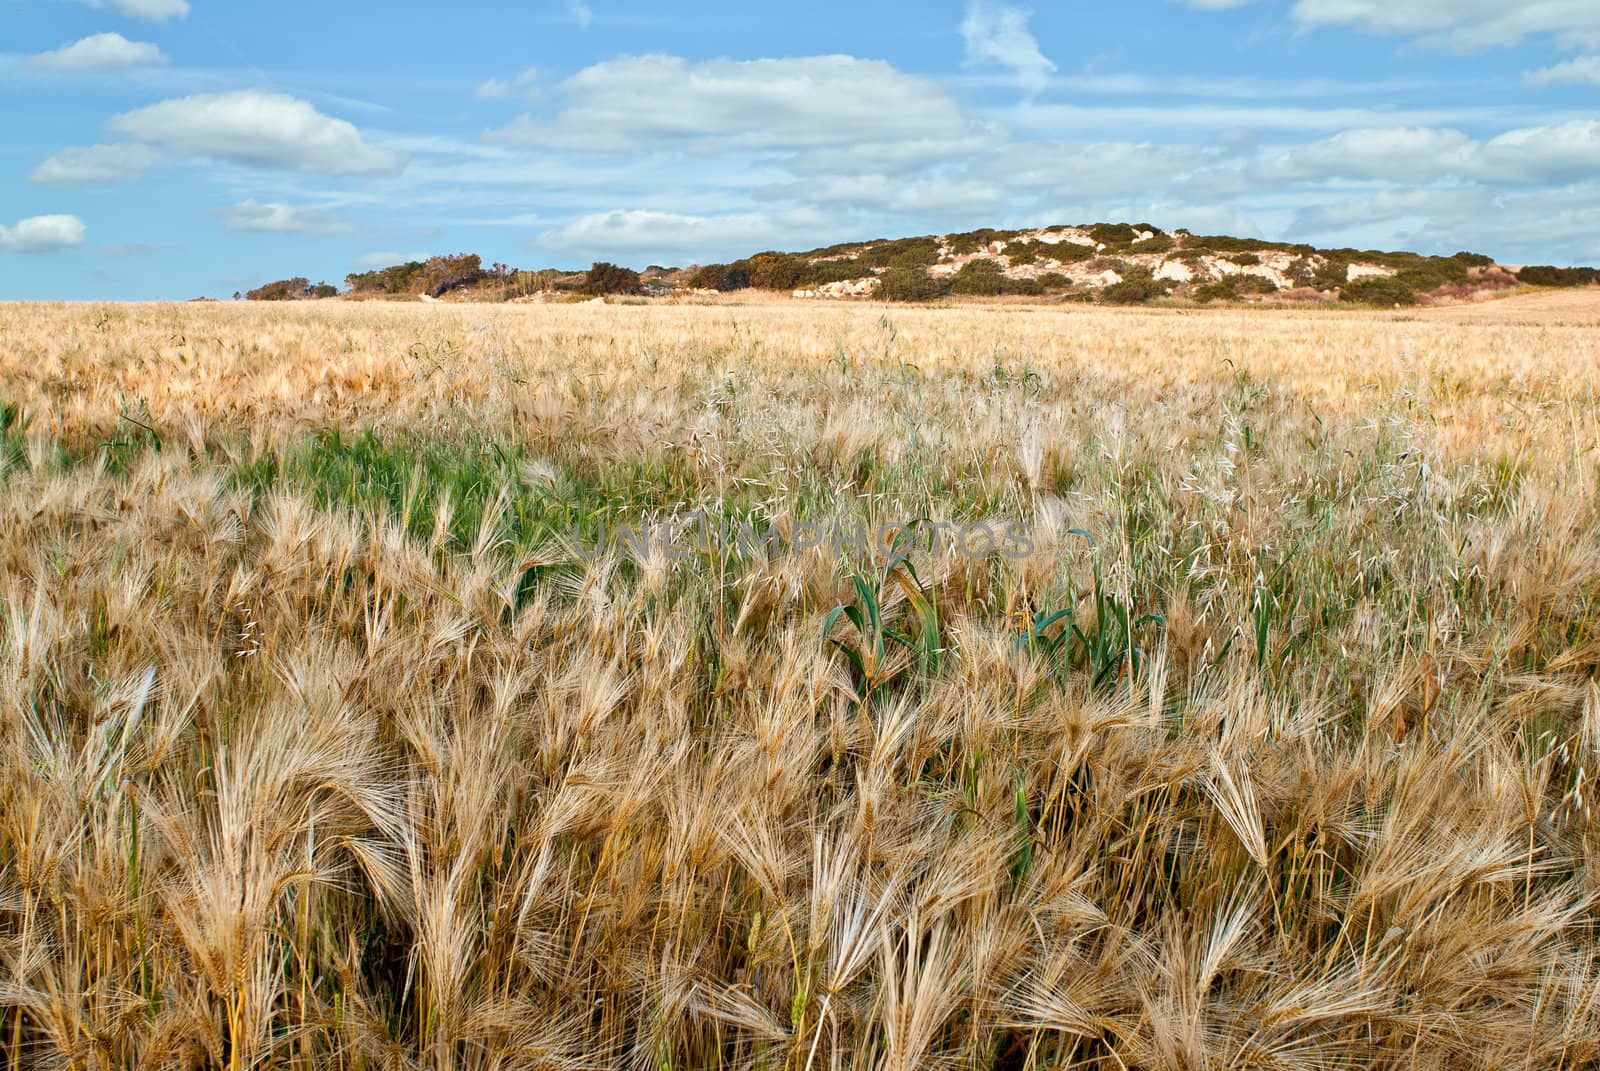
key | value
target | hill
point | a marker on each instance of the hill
(1113, 263)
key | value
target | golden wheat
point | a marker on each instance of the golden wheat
(339, 728)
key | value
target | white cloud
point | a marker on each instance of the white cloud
(273, 217)
(998, 35)
(1097, 170)
(498, 89)
(1585, 70)
(149, 10)
(1540, 155)
(101, 52)
(636, 104)
(580, 12)
(43, 234)
(638, 236)
(95, 165)
(1559, 225)
(372, 261)
(1464, 24)
(1393, 154)
(271, 130)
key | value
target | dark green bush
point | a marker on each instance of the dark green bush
(735, 276)
(1384, 293)
(833, 271)
(909, 284)
(777, 271)
(920, 252)
(1053, 280)
(1135, 290)
(1550, 275)
(974, 241)
(1022, 252)
(296, 289)
(1333, 273)
(981, 277)
(606, 278)
(1068, 252)
(1113, 233)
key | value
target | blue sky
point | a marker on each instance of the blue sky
(174, 148)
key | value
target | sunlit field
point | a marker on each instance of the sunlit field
(397, 686)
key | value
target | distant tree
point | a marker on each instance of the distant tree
(1548, 275)
(604, 278)
(724, 277)
(295, 289)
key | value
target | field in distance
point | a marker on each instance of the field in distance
(788, 685)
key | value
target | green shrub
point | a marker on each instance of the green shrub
(606, 278)
(724, 277)
(833, 271)
(974, 241)
(1135, 291)
(1385, 292)
(1068, 252)
(920, 252)
(1549, 275)
(1113, 233)
(1333, 273)
(1022, 252)
(1244, 260)
(909, 284)
(1161, 243)
(981, 277)
(296, 289)
(776, 271)
(1474, 260)
(1053, 280)
(324, 290)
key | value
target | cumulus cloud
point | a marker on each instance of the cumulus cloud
(43, 234)
(269, 130)
(273, 217)
(1585, 70)
(1464, 24)
(1395, 154)
(101, 52)
(1560, 225)
(1564, 152)
(149, 10)
(505, 89)
(95, 165)
(639, 235)
(998, 35)
(637, 104)
(1540, 155)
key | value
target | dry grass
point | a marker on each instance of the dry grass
(322, 742)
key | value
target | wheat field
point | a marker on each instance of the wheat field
(345, 723)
